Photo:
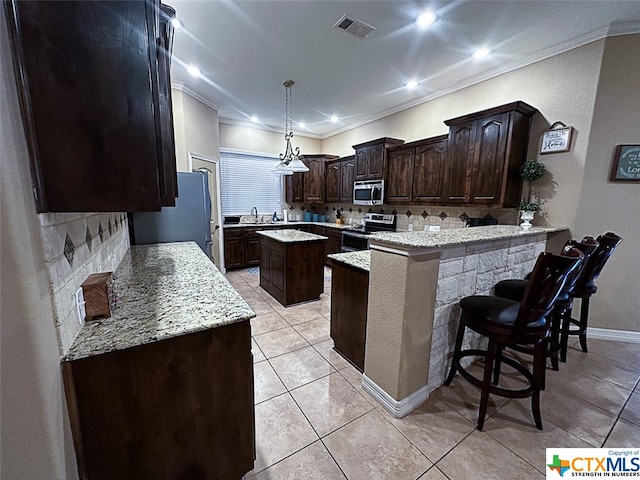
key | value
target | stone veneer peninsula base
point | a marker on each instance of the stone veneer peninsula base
(292, 265)
(419, 279)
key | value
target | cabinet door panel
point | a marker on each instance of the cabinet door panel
(277, 269)
(314, 180)
(347, 178)
(428, 172)
(489, 159)
(265, 263)
(376, 162)
(252, 250)
(362, 164)
(460, 153)
(294, 188)
(233, 251)
(333, 182)
(399, 186)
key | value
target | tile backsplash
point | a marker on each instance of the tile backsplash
(75, 246)
(420, 216)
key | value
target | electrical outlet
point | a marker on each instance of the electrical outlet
(411, 227)
(426, 228)
(82, 313)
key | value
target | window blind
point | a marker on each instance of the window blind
(246, 181)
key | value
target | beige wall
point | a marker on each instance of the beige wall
(35, 441)
(263, 141)
(195, 127)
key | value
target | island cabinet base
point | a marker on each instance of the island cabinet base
(177, 408)
(349, 299)
(292, 272)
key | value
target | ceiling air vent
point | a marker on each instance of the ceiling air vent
(357, 28)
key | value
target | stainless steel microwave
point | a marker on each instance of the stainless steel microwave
(370, 192)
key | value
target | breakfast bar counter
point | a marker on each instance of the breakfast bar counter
(292, 265)
(164, 387)
(419, 279)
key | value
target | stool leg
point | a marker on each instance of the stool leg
(554, 338)
(457, 349)
(539, 366)
(584, 315)
(497, 364)
(565, 323)
(486, 381)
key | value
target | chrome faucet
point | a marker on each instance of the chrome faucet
(256, 215)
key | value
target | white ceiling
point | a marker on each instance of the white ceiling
(247, 49)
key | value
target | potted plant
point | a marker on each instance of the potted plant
(531, 171)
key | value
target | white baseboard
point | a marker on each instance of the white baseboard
(397, 408)
(613, 335)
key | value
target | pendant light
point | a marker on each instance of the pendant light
(289, 161)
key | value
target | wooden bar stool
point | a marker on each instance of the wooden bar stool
(584, 289)
(514, 290)
(506, 323)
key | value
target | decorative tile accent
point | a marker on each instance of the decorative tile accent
(381, 211)
(394, 212)
(425, 214)
(69, 249)
(326, 209)
(291, 207)
(488, 216)
(350, 209)
(370, 210)
(359, 210)
(302, 208)
(334, 209)
(313, 208)
(110, 227)
(88, 238)
(408, 213)
(443, 215)
(100, 232)
(464, 217)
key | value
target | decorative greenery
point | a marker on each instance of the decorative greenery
(531, 171)
(529, 206)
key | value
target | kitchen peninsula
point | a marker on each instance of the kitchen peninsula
(418, 279)
(292, 265)
(164, 387)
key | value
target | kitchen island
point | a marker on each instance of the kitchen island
(418, 279)
(164, 387)
(292, 265)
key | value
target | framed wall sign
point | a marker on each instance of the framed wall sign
(556, 141)
(626, 164)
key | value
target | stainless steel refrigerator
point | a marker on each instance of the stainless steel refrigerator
(188, 220)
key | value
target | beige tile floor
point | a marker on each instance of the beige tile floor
(314, 421)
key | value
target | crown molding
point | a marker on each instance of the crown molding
(260, 126)
(180, 86)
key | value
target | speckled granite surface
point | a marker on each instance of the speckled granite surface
(292, 224)
(291, 236)
(360, 260)
(457, 236)
(164, 291)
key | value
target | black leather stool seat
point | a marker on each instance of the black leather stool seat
(507, 323)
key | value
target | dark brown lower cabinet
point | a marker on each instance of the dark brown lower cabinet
(292, 272)
(349, 299)
(177, 408)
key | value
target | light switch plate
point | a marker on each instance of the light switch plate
(411, 227)
(82, 314)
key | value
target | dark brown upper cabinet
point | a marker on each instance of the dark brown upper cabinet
(371, 158)
(94, 87)
(415, 172)
(294, 188)
(485, 152)
(339, 178)
(308, 187)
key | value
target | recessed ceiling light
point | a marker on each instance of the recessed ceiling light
(177, 24)
(334, 119)
(482, 52)
(254, 119)
(411, 84)
(426, 19)
(194, 71)
(301, 124)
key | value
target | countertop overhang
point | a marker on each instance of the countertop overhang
(291, 236)
(163, 290)
(360, 259)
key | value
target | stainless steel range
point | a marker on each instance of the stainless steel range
(357, 238)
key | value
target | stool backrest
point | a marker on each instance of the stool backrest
(545, 284)
(607, 243)
(587, 246)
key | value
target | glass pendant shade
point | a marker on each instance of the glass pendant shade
(296, 165)
(289, 161)
(282, 169)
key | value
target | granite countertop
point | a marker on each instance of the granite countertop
(164, 290)
(291, 236)
(360, 259)
(337, 226)
(457, 236)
